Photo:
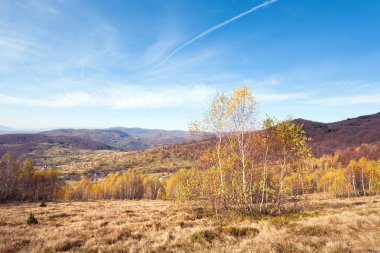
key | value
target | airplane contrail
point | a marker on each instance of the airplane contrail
(216, 27)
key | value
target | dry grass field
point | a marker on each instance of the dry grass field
(329, 225)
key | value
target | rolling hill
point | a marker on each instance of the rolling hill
(45, 144)
(114, 138)
(22, 145)
(331, 137)
(123, 138)
(140, 131)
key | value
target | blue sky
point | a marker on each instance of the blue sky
(97, 64)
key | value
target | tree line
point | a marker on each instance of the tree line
(19, 180)
(127, 185)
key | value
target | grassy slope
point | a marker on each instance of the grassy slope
(343, 225)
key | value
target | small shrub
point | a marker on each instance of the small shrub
(124, 233)
(103, 224)
(109, 241)
(31, 220)
(183, 224)
(170, 236)
(241, 232)
(203, 236)
(137, 236)
(199, 212)
(159, 226)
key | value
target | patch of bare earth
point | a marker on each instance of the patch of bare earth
(330, 225)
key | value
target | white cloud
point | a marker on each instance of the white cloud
(121, 97)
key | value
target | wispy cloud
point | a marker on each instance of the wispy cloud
(14, 48)
(214, 28)
(68, 99)
(93, 48)
(121, 97)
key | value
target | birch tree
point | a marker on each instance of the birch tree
(241, 115)
(215, 123)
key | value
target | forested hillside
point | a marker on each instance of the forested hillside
(327, 138)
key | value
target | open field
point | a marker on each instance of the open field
(328, 225)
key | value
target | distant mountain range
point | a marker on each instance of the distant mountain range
(124, 138)
(119, 138)
(326, 137)
(133, 131)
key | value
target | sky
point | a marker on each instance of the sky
(158, 64)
